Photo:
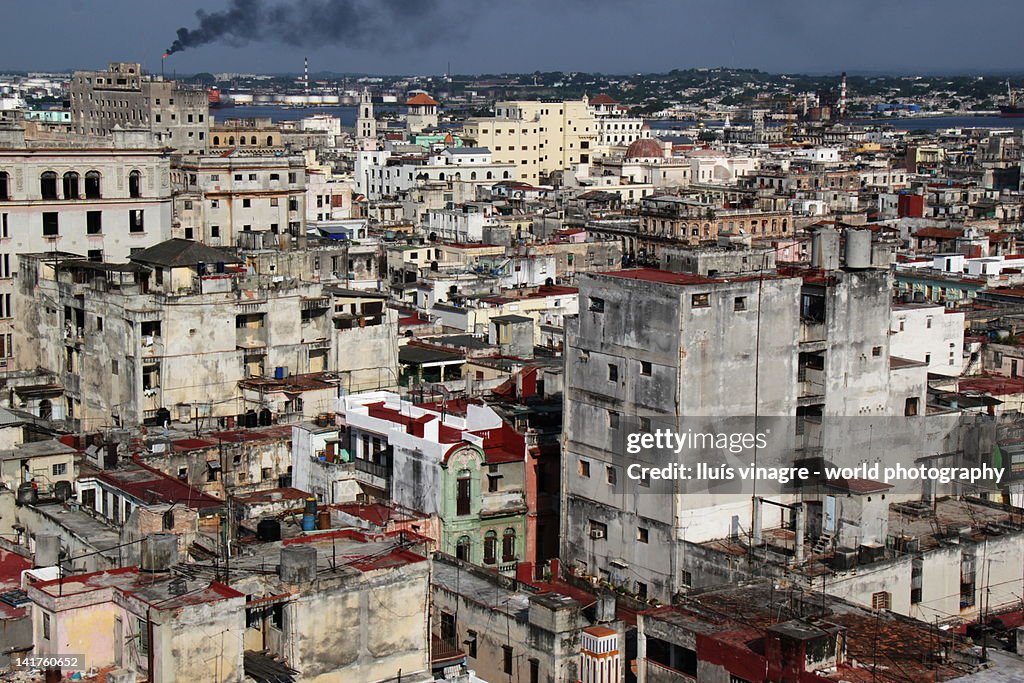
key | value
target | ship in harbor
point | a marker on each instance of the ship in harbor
(1012, 109)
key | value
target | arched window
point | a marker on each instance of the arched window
(784, 222)
(440, 176)
(490, 175)
(270, 141)
(252, 140)
(48, 185)
(505, 175)
(135, 184)
(231, 140)
(5, 186)
(491, 547)
(92, 185)
(462, 548)
(216, 140)
(241, 139)
(508, 545)
(472, 176)
(71, 185)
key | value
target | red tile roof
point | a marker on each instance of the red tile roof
(421, 100)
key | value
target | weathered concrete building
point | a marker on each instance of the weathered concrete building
(182, 295)
(123, 97)
(220, 198)
(538, 636)
(100, 197)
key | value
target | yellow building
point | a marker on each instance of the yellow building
(538, 137)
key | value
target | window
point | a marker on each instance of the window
(642, 534)
(50, 224)
(5, 186)
(5, 305)
(739, 303)
(462, 495)
(273, 201)
(911, 406)
(490, 547)
(645, 368)
(916, 580)
(598, 530)
(448, 633)
(876, 351)
(508, 545)
(143, 628)
(611, 474)
(596, 304)
(48, 185)
(93, 222)
(135, 184)
(46, 626)
(471, 644)
(71, 185)
(246, 203)
(506, 659)
(614, 418)
(641, 590)
(135, 221)
(277, 616)
(463, 548)
(583, 468)
(534, 671)
(3, 225)
(252, 176)
(214, 231)
(702, 300)
(613, 372)
(292, 178)
(881, 600)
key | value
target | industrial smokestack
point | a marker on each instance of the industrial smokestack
(842, 97)
(305, 74)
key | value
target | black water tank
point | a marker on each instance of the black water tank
(62, 490)
(163, 416)
(27, 494)
(268, 530)
(266, 418)
(251, 420)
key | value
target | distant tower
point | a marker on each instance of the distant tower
(305, 74)
(842, 97)
(366, 125)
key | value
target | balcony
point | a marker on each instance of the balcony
(151, 347)
(250, 337)
(502, 503)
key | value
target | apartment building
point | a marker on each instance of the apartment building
(217, 198)
(192, 325)
(690, 352)
(538, 138)
(123, 97)
(103, 198)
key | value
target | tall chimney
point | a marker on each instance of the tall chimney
(305, 72)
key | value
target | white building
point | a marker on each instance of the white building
(930, 334)
(100, 197)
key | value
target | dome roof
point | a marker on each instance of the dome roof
(645, 148)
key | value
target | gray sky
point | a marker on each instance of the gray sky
(478, 36)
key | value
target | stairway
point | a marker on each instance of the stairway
(823, 544)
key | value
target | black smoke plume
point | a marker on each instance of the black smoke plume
(311, 23)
